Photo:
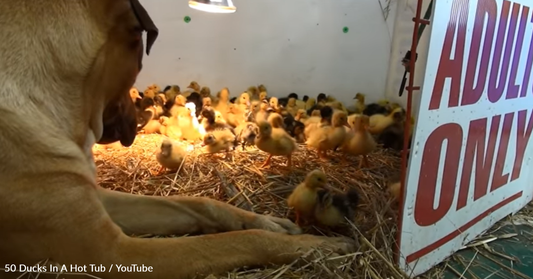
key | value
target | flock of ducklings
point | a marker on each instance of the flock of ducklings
(276, 126)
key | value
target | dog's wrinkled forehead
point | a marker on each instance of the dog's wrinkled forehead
(146, 23)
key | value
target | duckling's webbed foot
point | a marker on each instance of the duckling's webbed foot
(267, 162)
(159, 172)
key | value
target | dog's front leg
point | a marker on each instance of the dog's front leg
(184, 215)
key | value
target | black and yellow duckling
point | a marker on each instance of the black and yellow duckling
(333, 209)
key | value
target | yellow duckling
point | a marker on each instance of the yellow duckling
(236, 115)
(134, 94)
(276, 120)
(311, 102)
(360, 102)
(170, 128)
(179, 106)
(243, 101)
(329, 137)
(359, 141)
(292, 108)
(170, 155)
(275, 142)
(301, 115)
(303, 198)
(222, 101)
(219, 141)
(263, 113)
(274, 103)
(379, 122)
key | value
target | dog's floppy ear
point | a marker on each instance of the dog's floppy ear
(146, 23)
(120, 122)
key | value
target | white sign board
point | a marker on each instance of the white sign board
(470, 161)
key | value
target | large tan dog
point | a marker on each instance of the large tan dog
(66, 67)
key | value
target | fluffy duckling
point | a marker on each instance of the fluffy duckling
(179, 106)
(378, 122)
(263, 95)
(337, 106)
(310, 103)
(170, 128)
(170, 155)
(154, 87)
(147, 122)
(375, 108)
(188, 131)
(219, 141)
(222, 102)
(253, 92)
(291, 107)
(359, 141)
(207, 102)
(301, 115)
(246, 134)
(170, 95)
(333, 209)
(393, 136)
(274, 103)
(244, 101)
(264, 111)
(321, 98)
(195, 123)
(359, 102)
(329, 137)
(395, 190)
(205, 92)
(194, 87)
(276, 120)
(298, 132)
(236, 115)
(275, 142)
(210, 123)
(134, 95)
(321, 118)
(303, 198)
(261, 88)
(149, 93)
(255, 106)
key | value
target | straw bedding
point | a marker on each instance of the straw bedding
(238, 181)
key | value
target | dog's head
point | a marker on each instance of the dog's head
(119, 116)
(75, 60)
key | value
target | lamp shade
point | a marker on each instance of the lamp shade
(213, 6)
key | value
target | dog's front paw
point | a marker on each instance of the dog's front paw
(338, 245)
(274, 224)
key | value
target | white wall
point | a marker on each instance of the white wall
(403, 35)
(290, 46)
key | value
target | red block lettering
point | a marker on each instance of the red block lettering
(451, 68)
(522, 139)
(472, 93)
(512, 87)
(475, 145)
(424, 213)
(527, 72)
(498, 178)
(495, 92)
